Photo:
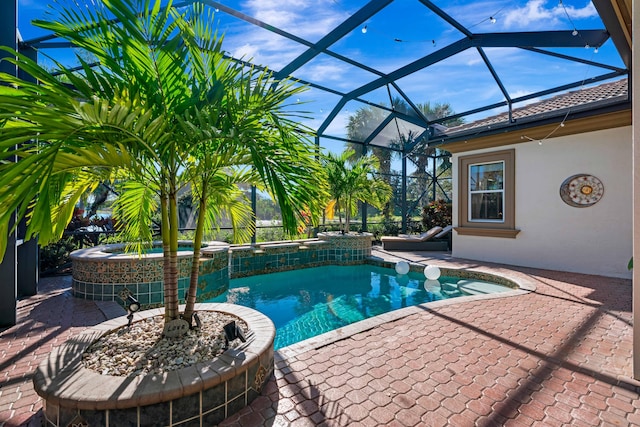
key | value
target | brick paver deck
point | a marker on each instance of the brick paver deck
(558, 356)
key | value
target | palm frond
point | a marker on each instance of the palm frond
(163, 109)
(134, 208)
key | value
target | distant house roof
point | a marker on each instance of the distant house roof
(570, 102)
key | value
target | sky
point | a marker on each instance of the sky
(402, 32)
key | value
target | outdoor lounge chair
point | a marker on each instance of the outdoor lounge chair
(436, 239)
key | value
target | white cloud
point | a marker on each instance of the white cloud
(589, 11)
(474, 61)
(245, 51)
(536, 12)
(533, 12)
(275, 4)
(323, 72)
(306, 19)
(261, 47)
(523, 92)
(277, 18)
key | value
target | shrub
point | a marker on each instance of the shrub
(436, 213)
(54, 257)
(271, 234)
(387, 227)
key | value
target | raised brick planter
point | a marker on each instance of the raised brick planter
(202, 394)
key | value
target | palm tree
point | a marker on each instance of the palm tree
(352, 181)
(359, 128)
(433, 165)
(366, 119)
(164, 109)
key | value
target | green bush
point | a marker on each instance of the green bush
(54, 257)
(414, 225)
(436, 213)
(387, 227)
(271, 234)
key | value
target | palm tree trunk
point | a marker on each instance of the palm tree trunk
(347, 215)
(195, 264)
(170, 250)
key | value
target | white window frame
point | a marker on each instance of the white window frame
(471, 192)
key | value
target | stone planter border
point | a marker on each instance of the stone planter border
(201, 394)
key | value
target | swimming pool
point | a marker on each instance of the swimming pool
(308, 302)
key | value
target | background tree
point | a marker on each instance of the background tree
(420, 188)
(359, 128)
(432, 165)
(351, 182)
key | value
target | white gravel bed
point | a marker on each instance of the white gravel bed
(142, 349)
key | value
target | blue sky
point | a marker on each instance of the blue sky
(402, 32)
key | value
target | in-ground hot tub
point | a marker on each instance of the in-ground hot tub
(106, 272)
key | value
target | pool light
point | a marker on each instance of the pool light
(134, 305)
(231, 332)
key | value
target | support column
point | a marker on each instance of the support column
(635, 88)
(434, 176)
(28, 251)
(254, 208)
(9, 282)
(8, 266)
(365, 205)
(404, 192)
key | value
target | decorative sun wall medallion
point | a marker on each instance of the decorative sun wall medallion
(581, 190)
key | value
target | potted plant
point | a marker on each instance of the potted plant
(164, 108)
(161, 109)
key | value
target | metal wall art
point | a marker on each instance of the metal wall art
(581, 190)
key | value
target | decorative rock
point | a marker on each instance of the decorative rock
(142, 349)
(175, 328)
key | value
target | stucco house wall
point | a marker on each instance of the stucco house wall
(553, 235)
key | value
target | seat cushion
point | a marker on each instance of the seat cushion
(430, 234)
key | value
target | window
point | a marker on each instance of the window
(487, 194)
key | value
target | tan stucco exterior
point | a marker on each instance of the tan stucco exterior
(552, 234)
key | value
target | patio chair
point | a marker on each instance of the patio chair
(433, 240)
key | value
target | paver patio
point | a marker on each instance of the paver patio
(558, 356)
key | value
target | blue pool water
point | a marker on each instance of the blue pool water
(308, 302)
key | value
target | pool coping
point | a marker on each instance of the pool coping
(524, 286)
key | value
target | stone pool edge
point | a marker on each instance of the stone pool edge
(522, 286)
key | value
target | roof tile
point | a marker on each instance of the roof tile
(571, 100)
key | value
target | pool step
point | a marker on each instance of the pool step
(449, 290)
(345, 311)
(307, 325)
(475, 287)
